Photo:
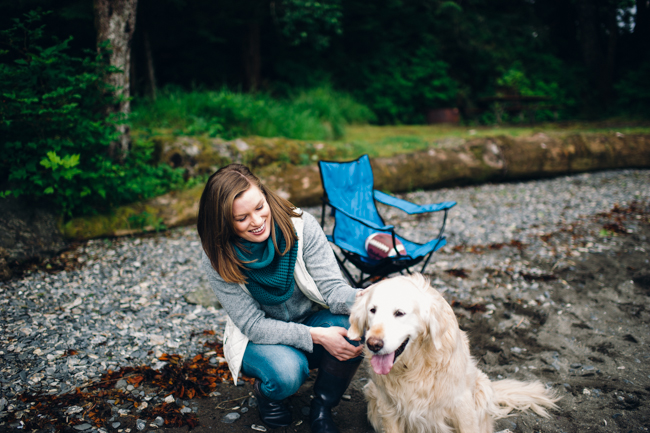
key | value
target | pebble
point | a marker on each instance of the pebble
(258, 427)
(82, 427)
(140, 424)
(159, 421)
(230, 418)
(124, 304)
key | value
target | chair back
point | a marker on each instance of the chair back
(349, 186)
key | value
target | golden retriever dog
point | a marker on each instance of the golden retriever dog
(423, 378)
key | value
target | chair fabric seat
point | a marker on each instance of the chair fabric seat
(349, 190)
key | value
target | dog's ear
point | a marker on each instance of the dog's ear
(437, 316)
(359, 317)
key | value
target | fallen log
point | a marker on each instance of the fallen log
(480, 160)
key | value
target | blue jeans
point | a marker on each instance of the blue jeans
(283, 369)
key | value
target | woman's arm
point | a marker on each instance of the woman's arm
(339, 296)
(324, 269)
(247, 315)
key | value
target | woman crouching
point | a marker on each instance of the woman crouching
(276, 276)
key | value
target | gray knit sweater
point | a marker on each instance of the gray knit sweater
(281, 324)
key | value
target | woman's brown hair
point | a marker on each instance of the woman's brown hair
(215, 221)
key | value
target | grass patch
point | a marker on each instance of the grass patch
(317, 114)
(385, 141)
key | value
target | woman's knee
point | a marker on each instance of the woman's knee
(340, 320)
(283, 379)
(325, 318)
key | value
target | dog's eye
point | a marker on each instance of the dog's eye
(399, 313)
(373, 310)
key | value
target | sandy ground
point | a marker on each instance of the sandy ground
(583, 329)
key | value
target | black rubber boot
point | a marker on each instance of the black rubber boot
(333, 379)
(272, 413)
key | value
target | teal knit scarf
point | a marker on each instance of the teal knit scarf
(269, 279)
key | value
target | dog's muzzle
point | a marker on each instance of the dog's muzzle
(401, 348)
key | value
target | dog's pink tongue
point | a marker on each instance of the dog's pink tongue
(382, 364)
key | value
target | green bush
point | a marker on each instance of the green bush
(634, 92)
(401, 86)
(316, 114)
(55, 133)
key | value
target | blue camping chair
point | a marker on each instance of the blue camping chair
(349, 191)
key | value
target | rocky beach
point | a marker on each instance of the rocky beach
(550, 278)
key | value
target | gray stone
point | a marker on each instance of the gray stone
(116, 424)
(141, 424)
(121, 384)
(29, 230)
(5, 270)
(230, 418)
(203, 296)
(159, 421)
(82, 427)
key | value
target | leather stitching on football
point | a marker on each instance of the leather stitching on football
(380, 245)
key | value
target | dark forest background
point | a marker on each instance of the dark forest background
(398, 57)
(73, 135)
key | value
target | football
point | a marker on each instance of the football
(380, 245)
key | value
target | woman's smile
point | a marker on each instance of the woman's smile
(259, 231)
(251, 215)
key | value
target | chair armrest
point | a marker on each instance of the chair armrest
(411, 208)
(363, 221)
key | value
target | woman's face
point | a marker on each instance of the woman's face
(252, 215)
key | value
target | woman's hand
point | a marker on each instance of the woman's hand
(333, 340)
(360, 293)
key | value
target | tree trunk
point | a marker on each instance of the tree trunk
(642, 23)
(589, 42)
(607, 77)
(151, 72)
(115, 22)
(251, 56)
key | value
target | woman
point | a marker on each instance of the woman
(276, 276)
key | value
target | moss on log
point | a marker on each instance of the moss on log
(480, 160)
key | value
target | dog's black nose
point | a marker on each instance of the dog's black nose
(375, 344)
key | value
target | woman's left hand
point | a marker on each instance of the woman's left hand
(333, 340)
(360, 293)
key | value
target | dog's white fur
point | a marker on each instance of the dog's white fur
(435, 384)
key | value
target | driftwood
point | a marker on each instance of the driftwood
(480, 160)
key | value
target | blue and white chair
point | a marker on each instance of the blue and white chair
(349, 192)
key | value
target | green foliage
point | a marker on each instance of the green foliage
(145, 219)
(401, 86)
(55, 131)
(315, 114)
(310, 22)
(634, 92)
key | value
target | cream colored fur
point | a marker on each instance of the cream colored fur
(435, 384)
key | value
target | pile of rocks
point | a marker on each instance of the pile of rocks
(127, 301)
